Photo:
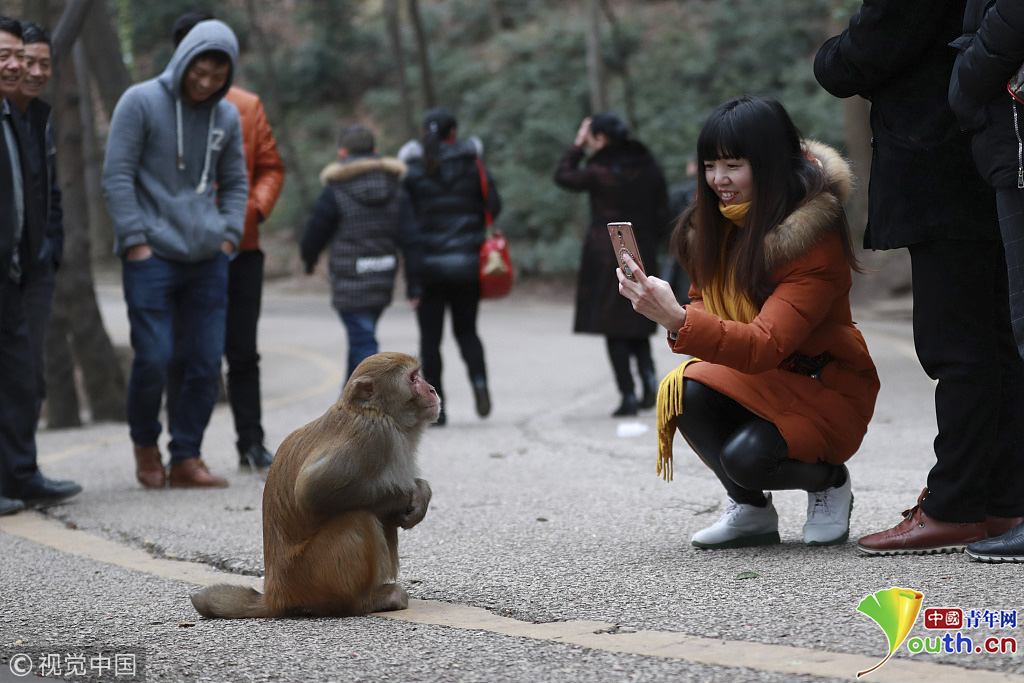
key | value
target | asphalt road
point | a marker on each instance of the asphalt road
(551, 551)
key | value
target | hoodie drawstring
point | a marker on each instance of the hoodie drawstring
(201, 188)
(181, 138)
(209, 152)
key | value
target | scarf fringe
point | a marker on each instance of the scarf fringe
(670, 404)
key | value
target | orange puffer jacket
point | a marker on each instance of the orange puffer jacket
(262, 162)
(808, 313)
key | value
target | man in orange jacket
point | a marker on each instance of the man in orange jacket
(245, 275)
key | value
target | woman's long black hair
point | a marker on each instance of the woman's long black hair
(759, 130)
(437, 126)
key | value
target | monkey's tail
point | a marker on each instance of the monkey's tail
(225, 601)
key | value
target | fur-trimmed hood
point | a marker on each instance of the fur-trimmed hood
(346, 170)
(813, 220)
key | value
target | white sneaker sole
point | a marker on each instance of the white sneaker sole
(770, 538)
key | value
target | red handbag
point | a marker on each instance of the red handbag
(495, 265)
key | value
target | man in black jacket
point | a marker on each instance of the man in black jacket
(22, 229)
(924, 194)
(992, 52)
(33, 116)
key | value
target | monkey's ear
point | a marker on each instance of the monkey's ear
(363, 389)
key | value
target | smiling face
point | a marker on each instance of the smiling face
(731, 179)
(203, 79)
(12, 63)
(38, 69)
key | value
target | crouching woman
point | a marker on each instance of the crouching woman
(784, 387)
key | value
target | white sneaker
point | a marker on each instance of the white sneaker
(742, 525)
(828, 515)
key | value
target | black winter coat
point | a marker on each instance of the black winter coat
(358, 213)
(6, 202)
(923, 183)
(36, 204)
(625, 183)
(992, 51)
(39, 113)
(449, 227)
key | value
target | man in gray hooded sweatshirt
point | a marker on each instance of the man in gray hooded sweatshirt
(175, 182)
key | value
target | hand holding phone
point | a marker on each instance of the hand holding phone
(624, 243)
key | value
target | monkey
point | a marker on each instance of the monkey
(336, 493)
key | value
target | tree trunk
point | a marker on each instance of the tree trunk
(426, 75)
(75, 294)
(595, 63)
(394, 29)
(275, 112)
(101, 228)
(103, 51)
(72, 19)
(628, 87)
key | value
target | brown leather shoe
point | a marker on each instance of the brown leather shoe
(149, 469)
(920, 534)
(997, 526)
(193, 473)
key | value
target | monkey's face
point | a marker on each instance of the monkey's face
(427, 402)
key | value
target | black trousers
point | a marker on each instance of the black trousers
(964, 341)
(18, 393)
(245, 297)
(746, 452)
(463, 299)
(37, 289)
(1010, 204)
(619, 352)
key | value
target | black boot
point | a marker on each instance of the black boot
(650, 397)
(627, 408)
(8, 506)
(482, 397)
(441, 418)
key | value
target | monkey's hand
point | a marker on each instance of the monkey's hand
(418, 503)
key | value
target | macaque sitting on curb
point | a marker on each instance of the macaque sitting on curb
(336, 494)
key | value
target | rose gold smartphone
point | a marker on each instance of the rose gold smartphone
(624, 242)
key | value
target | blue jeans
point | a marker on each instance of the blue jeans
(160, 294)
(361, 327)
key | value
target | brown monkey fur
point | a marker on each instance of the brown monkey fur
(336, 493)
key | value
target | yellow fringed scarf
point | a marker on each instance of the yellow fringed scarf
(721, 299)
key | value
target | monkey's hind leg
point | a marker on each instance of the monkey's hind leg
(347, 568)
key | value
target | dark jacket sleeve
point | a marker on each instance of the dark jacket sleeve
(570, 176)
(409, 241)
(882, 40)
(319, 229)
(55, 222)
(995, 54)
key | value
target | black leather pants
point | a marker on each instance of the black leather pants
(746, 452)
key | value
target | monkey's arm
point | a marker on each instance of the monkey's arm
(418, 503)
(331, 485)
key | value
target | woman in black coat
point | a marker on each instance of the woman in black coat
(625, 183)
(443, 232)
